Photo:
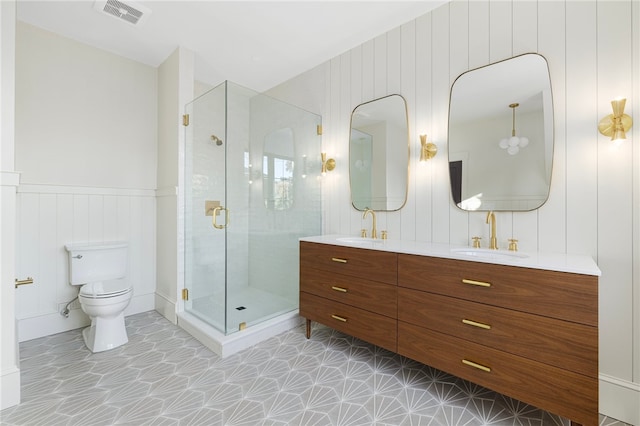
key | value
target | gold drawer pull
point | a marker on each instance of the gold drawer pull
(337, 259)
(340, 289)
(476, 324)
(475, 365)
(478, 283)
(339, 318)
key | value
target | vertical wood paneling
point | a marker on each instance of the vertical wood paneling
(551, 41)
(523, 226)
(28, 257)
(582, 139)
(96, 218)
(122, 215)
(394, 86)
(525, 27)
(47, 245)
(48, 221)
(368, 71)
(407, 229)
(458, 63)
(64, 235)
(500, 30)
(441, 81)
(110, 216)
(634, 106)
(591, 51)
(423, 114)
(394, 61)
(355, 98)
(501, 39)
(478, 33)
(135, 241)
(147, 246)
(614, 184)
(380, 66)
(81, 217)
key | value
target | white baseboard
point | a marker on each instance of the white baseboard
(620, 399)
(9, 388)
(46, 325)
(166, 308)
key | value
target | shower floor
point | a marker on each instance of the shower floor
(248, 305)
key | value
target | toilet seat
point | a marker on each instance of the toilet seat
(105, 289)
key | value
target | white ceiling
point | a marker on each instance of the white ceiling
(257, 44)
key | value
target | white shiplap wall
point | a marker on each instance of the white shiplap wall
(50, 217)
(592, 50)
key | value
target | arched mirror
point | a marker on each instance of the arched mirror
(501, 136)
(379, 154)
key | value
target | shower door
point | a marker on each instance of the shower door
(205, 197)
(248, 200)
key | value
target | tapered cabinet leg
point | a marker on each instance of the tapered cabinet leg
(308, 328)
(575, 423)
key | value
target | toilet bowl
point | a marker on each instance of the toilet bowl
(100, 270)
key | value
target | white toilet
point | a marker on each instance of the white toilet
(101, 269)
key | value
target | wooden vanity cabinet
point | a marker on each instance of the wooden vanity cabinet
(530, 334)
(527, 333)
(351, 290)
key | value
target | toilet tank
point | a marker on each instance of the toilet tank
(91, 262)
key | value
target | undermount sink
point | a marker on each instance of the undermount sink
(489, 254)
(359, 240)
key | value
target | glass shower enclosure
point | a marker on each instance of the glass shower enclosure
(252, 189)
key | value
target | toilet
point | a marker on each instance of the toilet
(101, 269)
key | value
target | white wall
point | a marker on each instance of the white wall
(594, 206)
(175, 90)
(86, 131)
(84, 117)
(9, 360)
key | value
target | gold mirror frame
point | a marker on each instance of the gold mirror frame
(379, 130)
(500, 156)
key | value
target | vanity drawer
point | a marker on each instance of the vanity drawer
(370, 295)
(373, 265)
(566, 393)
(551, 341)
(368, 326)
(567, 296)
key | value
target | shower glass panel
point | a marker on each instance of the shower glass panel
(252, 189)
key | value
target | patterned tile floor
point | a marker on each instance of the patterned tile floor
(163, 376)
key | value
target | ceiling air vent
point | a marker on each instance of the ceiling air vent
(130, 12)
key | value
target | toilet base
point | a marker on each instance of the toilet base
(105, 333)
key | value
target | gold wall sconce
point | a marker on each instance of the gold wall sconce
(617, 124)
(428, 150)
(327, 164)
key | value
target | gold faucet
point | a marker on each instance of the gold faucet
(491, 218)
(374, 233)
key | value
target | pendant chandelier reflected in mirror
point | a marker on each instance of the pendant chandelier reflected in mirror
(514, 143)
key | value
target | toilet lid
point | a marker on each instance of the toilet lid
(108, 288)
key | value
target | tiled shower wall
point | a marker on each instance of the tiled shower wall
(592, 50)
(50, 217)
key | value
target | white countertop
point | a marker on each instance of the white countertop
(561, 262)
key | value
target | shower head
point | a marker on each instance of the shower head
(216, 139)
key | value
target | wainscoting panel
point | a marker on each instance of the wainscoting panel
(49, 217)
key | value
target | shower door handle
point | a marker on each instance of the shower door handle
(215, 215)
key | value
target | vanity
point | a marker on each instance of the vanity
(524, 325)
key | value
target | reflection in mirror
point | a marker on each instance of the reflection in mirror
(379, 154)
(277, 170)
(501, 136)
